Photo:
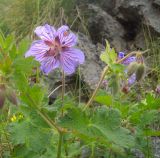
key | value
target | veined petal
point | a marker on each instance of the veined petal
(46, 32)
(129, 60)
(66, 37)
(70, 58)
(48, 64)
(37, 49)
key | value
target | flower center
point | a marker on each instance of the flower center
(55, 48)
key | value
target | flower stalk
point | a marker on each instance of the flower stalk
(59, 145)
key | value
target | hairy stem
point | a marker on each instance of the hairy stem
(44, 117)
(63, 86)
(59, 145)
(98, 86)
(63, 89)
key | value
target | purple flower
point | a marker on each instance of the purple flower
(132, 79)
(55, 49)
(126, 62)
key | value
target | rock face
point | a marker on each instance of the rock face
(103, 26)
(122, 22)
(91, 69)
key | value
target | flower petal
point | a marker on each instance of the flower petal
(70, 58)
(48, 64)
(129, 60)
(132, 79)
(37, 49)
(46, 32)
(121, 55)
(66, 37)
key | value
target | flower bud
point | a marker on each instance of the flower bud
(115, 84)
(125, 89)
(140, 72)
(11, 96)
(131, 69)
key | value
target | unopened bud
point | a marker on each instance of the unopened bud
(115, 84)
(131, 69)
(11, 96)
(126, 89)
(140, 72)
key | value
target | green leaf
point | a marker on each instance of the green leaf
(103, 98)
(23, 46)
(152, 102)
(33, 96)
(107, 121)
(24, 65)
(104, 124)
(109, 56)
(113, 55)
(148, 117)
(2, 40)
(5, 65)
(105, 58)
(152, 133)
(9, 41)
(117, 68)
(75, 119)
(35, 138)
(13, 52)
(20, 81)
(19, 132)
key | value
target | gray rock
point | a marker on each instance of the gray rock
(122, 22)
(156, 3)
(92, 68)
(156, 146)
(102, 26)
(141, 12)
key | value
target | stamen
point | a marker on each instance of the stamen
(55, 48)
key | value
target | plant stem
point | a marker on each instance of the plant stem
(45, 118)
(93, 152)
(59, 145)
(60, 133)
(48, 121)
(63, 89)
(63, 86)
(79, 85)
(98, 86)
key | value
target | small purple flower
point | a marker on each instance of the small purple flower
(55, 49)
(132, 79)
(126, 62)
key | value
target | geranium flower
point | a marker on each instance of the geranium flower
(126, 62)
(55, 49)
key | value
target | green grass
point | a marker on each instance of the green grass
(152, 42)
